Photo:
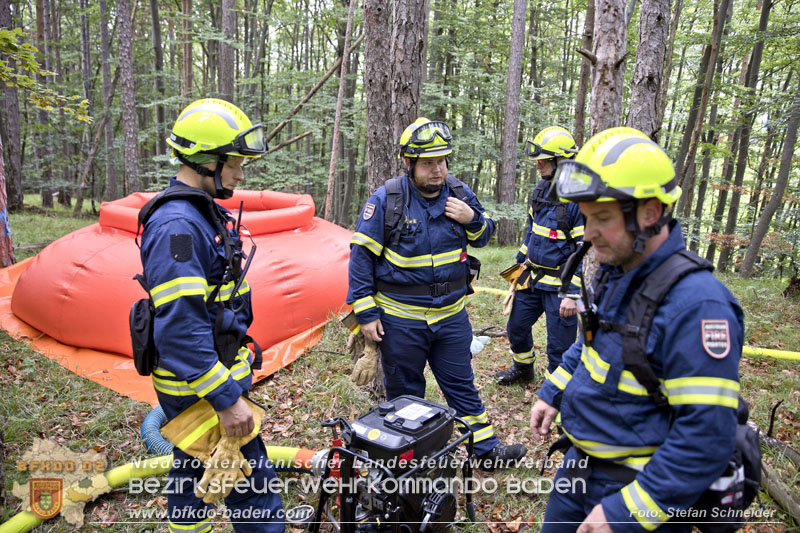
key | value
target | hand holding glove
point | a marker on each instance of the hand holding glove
(367, 366)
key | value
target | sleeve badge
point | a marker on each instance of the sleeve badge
(369, 210)
(716, 337)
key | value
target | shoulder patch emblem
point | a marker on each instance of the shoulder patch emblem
(369, 210)
(716, 337)
(180, 246)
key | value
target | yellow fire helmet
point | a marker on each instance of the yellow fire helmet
(617, 164)
(425, 138)
(217, 127)
(554, 141)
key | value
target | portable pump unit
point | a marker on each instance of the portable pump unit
(396, 470)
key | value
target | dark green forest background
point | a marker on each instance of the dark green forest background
(266, 55)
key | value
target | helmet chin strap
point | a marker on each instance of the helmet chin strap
(219, 191)
(640, 235)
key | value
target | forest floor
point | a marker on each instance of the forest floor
(42, 399)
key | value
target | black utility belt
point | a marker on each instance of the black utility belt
(434, 289)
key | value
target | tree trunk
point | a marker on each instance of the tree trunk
(408, 59)
(128, 95)
(338, 116)
(63, 192)
(43, 150)
(188, 62)
(744, 141)
(87, 93)
(694, 238)
(693, 111)
(610, 41)
(646, 82)
(508, 176)
(661, 103)
(777, 193)
(6, 246)
(688, 166)
(11, 127)
(158, 58)
(226, 53)
(727, 171)
(112, 192)
(586, 69)
(377, 89)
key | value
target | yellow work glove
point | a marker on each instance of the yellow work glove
(224, 468)
(508, 301)
(367, 366)
(196, 430)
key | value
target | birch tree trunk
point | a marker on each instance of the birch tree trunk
(377, 88)
(508, 176)
(777, 193)
(128, 95)
(646, 82)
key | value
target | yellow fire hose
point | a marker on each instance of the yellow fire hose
(280, 456)
(746, 350)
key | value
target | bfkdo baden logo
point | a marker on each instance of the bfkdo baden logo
(46, 498)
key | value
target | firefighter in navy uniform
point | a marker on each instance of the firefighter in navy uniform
(646, 461)
(202, 357)
(408, 284)
(552, 233)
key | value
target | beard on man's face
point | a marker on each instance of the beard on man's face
(430, 189)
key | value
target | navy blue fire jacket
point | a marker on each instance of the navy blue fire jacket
(694, 347)
(184, 260)
(432, 249)
(545, 245)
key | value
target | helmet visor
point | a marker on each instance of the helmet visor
(427, 133)
(576, 182)
(251, 142)
(537, 152)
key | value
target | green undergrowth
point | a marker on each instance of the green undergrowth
(42, 399)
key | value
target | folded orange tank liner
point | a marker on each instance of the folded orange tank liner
(71, 301)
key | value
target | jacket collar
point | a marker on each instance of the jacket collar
(435, 207)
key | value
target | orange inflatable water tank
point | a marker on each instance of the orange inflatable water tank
(80, 288)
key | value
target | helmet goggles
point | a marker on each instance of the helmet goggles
(426, 134)
(251, 142)
(576, 182)
(534, 150)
